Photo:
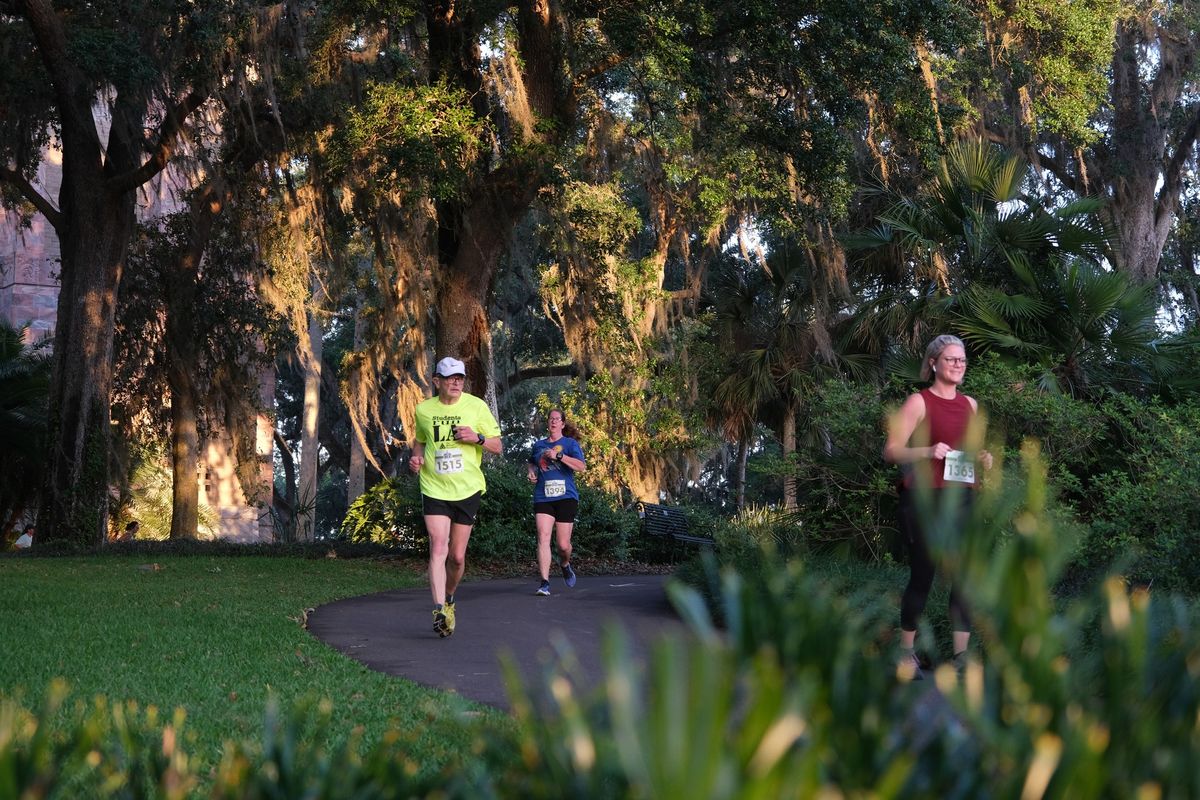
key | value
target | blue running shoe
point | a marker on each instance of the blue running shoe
(568, 576)
(544, 589)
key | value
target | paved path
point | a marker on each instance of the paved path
(393, 631)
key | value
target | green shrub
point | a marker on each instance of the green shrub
(390, 513)
(1145, 515)
(387, 513)
(122, 751)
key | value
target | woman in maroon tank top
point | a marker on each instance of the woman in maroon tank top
(926, 438)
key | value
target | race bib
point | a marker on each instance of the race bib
(555, 488)
(958, 467)
(448, 462)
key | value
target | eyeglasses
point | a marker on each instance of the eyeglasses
(455, 378)
(955, 361)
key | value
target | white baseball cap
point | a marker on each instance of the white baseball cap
(450, 366)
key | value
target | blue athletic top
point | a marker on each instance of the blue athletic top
(555, 481)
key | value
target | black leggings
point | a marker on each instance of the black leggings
(920, 577)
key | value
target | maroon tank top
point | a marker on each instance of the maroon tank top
(945, 421)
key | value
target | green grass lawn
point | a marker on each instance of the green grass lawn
(215, 636)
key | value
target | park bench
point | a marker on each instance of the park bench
(668, 523)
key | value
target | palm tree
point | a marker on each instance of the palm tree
(974, 221)
(992, 264)
(1083, 326)
(768, 317)
(24, 389)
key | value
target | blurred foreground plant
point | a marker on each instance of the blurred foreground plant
(796, 696)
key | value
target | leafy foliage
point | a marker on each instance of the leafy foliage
(147, 496)
(24, 387)
(390, 513)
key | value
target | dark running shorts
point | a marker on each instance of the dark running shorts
(561, 510)
(460, 512)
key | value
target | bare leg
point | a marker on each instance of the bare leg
(439, 542)
(562, 535)
(545, 527)
(907, 639)
(961, 640)
(456, 558)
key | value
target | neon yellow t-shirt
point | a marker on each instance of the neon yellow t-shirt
(451, 470)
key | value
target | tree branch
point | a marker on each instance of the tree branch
(1057, 167)
(1173, 175)
(40, 201)
(529, 373)
(599, 68)
(168, 137)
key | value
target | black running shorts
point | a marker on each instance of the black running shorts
(460, 512)
(562, 510)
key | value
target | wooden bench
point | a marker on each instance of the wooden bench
(669, 523)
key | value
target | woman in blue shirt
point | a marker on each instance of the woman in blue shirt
(552, 467)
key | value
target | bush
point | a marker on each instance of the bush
(390, 513)
(1145, 515)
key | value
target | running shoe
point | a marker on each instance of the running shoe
(544, 589)
(909, 668)
(443, 621)
(568, 576)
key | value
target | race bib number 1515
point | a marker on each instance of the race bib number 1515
(448, 462)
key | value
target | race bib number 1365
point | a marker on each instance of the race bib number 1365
(958, 467)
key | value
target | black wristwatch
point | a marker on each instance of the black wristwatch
(559, 457)
(482, 438)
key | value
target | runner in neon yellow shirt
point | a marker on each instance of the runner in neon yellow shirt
(452, 431)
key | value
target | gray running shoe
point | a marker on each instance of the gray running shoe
(909, 668)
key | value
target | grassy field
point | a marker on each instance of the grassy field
(214, 636)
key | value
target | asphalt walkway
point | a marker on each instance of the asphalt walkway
(392, 632)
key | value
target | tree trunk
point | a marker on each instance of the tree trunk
(743, 456)
(183, 364)
(94, 221)
(94, 240)
(1148, 150)
(185, 456)
(1139, 167)
(288, 500)
(357, 472)
(310, 446)
(465, 282)
(473, 237)
(789, 449)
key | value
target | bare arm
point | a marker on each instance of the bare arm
(985, 457)
(572, 463)
(467, 435)
(417, 459)
(900, 430)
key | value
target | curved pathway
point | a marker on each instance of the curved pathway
(393, 631)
